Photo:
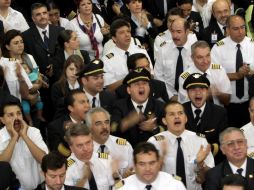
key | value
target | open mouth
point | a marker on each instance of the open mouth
(177, 123)
(17, 125)
(141, 92)
(198, 99)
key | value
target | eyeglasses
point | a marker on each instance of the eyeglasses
(233, 143)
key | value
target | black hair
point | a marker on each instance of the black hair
(145, 147)
(131, 60)
(116, 24)
(53, 161)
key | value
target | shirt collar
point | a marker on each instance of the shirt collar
(135, 105)
(43, 29)
(202, 109)
(234, 168)
(76, 85)
(172, 137)
(90, 98)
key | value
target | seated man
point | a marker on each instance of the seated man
(233, 182)
(148, 175)
(21, 145)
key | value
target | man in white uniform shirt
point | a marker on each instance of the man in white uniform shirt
(235, 54)
(21, 145)
(184, 153)
(174, 57)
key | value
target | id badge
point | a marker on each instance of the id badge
(214, 38)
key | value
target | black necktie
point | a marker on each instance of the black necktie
(92, 182)
(93, 104)
(197, 118)
(102, 148)
(180, 169)
(239, 171)
(127, 54)
(179, 68)
(148, 187)
(45, 38)
(224, 31)
(140, 108)
(239, 83)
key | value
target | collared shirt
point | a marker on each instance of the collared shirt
(24, 165)
(235, 168)
(166, 37)
(221, 27)
(14, 20)
(101, 171)
(136, 106)
(165, 65)
(90, 98)
(248, 131)
(217, 77)
(190, 145)
(115, 63)
(225, 55)
(194, 108)
(119, 149)
(76, 85)
(85, 43)
(162, 181)
(46, 187)
(43, 29)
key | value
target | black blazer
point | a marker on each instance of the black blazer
(8, 177)
(213, 121)
(195, 17)
(67, 187)
(214, 175)
(1, 32)
(134, 134)
(107, 100)
(157, 90)
(34, 45)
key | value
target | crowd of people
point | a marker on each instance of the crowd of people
(126, 94)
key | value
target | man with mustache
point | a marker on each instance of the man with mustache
(174, 56)
(98, 120)
(21, 145)
(184, 153)
(92, 80)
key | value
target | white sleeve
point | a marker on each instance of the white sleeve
(182, 93)
(26, 78)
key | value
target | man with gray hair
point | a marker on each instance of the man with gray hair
(86, 168)
(98, 120)
(233, 145)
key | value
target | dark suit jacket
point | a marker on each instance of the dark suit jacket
(134, 134)
(107, 100)
(195, 17)
(157, 90)
(67, 187)
(1, 32)
(34, 45)
(214, 175)
(212, 28)
(7, 177)
(213, 121)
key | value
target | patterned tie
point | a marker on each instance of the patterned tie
(179, 68)
(180, 169)
(239, 83)
(45, 38)
(93, 104)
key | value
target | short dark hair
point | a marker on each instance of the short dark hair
(174, 11)
(131, 60)
(74, 130)
(11, 101)
(233, 180)
(116, 24)
(181, 2)
(37, 6)
(52, 5)
(69, 99)
(170, 103)
(145, 147)
(128, 1)
(53, 161)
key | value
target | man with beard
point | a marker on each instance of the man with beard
(21, 145)
(77, 105)
(85, 167)
(234, 145)
(184, 153)
(136, 117)
(98, 120)
(54, 168)
(92, 80)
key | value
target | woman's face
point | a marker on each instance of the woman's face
(16, 46)
(135, 6)
(85, 7)
(73, 43)
(71, 72)
(54, 16)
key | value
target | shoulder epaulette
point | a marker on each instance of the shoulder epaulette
(242, 130)
(12, 59)
(103, 155)
(163, 43)
(70, 162)
(220, 43)
(119, 184)
(177, 177)
(110, 55)
(215, 66)
(159, 137)
(142, 47)
(121, 141)
(252, 39)
(185, 75)
(162, 34)
(251, 154)
(200, 135)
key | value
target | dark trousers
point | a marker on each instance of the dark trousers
(238, 114)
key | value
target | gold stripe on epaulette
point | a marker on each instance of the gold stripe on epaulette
(12, 59)
(159, 137)
(220, 43)
(103, 155)
(252, 39)
(162, 34)
(142, 47)
(215, 66)
(70, 162)
(251, 154)
(185, 75)
(200, 135)
(121, 141)
(119, 184)
(110, 55)
(63, 150)
(162, 44)
(215, 149)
